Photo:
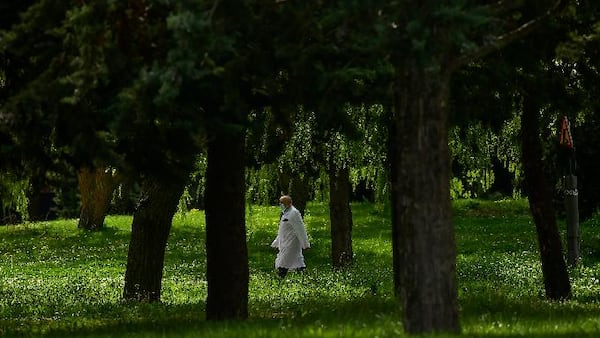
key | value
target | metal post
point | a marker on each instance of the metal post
(572, 213)
(571, 192)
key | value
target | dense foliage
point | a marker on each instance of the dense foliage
(98, 76)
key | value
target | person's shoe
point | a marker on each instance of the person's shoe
(281, 272)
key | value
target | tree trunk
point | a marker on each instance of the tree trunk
(340, 216)
(226, 250)
(296, 186)
(95, 187)
(150, 231)
(284, 178)
(299, 191)
(424, 252)
(125, 197)
(40, 201)
(556, 278)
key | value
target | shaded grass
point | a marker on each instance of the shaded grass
(57, 280)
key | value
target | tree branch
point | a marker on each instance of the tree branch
(212, 12)
(503, 6)
(495, 43)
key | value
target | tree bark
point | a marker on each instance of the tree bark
(40, 200)
(556, 278)
(299, 191)
(424, 252)
(296, 186)
(95, 187)
(226, 250)
(125, 200)
(150, 231)
(340, 216)
(284, 178)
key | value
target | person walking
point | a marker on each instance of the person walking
(291, 239)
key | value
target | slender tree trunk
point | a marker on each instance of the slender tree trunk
(40, 200)
(95, 187)
(226, 250)
(556, 278)
(340, 216)
(424, 252)
(150, 231)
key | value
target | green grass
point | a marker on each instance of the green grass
(56, 280)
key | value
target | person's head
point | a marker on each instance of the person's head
(286, 200)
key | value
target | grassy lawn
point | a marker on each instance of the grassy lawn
(56, 280)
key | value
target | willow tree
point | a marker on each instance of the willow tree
(332, 64)
(429, 41)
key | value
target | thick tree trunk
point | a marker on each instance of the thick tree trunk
(96, 186)
(556, 278)
(299, 191)
(284, 178)
(424, 252)
(150, 231)
(340, 216)
(226, 250)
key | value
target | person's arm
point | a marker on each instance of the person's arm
(275, 243)
(300, 230)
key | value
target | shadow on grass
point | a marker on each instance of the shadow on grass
(498, 316)
(115, 320)
(365, 317)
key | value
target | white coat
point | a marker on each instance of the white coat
(291, 239)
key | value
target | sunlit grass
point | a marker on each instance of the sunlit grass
(57, 280)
